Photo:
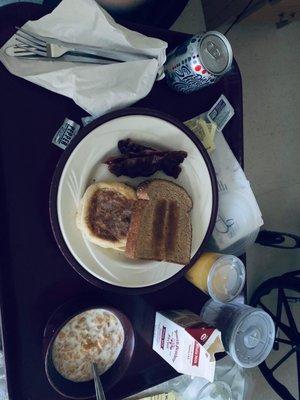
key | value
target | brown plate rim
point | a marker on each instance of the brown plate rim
(54, 191)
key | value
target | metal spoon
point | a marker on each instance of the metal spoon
(100, 395)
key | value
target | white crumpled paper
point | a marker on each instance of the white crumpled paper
(238, 379)
(239, 217)
(95, 88)
(3, 386)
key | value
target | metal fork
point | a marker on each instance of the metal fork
(54, 48)
(25, 54)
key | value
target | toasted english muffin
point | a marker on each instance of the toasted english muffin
(104, 214)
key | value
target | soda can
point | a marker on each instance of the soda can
(198, 62)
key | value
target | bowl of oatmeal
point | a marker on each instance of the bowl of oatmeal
(95, 334)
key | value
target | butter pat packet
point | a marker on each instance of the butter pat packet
(186, 343)
(204, 131)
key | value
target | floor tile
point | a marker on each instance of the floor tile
(191, 19)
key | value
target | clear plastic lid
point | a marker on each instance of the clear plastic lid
(252, 339)
(226, 278)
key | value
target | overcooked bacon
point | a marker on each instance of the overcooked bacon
(138, 160)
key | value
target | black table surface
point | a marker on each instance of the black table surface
(35, 277)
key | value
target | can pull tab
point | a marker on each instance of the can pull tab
(213, 50)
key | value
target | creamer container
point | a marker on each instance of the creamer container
(247, 333)
(220, 276)
(186, 343)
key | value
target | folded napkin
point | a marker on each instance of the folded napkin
(96, 88)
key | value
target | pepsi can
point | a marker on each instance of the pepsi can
(198, 62)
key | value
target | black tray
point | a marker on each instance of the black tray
(35, 277)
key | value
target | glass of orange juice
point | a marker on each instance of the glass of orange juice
(221, 276)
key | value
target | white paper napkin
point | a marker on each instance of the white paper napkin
(239, 217)
(3, 383)
(239, 380)
(96, 88)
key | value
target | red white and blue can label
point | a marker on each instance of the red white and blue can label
(185, 67)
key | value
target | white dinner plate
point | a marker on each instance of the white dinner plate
(84, 166)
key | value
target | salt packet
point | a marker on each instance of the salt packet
(66, 132)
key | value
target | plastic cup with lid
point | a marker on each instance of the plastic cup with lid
(220, 276)
(226, 278)
(247, 333)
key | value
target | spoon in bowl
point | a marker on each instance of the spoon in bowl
(100, 395)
